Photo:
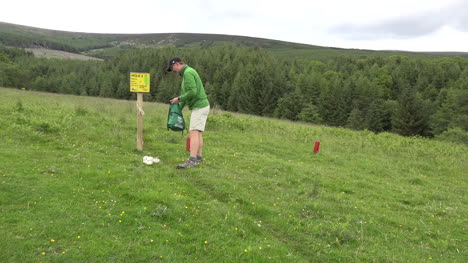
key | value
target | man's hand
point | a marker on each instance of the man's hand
(175, 100)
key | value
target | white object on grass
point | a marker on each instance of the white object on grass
(148, 160)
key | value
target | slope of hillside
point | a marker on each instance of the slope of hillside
(73, 188)
(50, 53)
(105, 45)
(17, 35)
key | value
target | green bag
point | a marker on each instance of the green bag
(175, 119)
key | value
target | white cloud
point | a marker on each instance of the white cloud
(410, 26)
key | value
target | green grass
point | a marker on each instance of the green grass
(74, 189)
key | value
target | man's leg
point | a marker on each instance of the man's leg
(200, 144)
(197, 126)
(194, 142)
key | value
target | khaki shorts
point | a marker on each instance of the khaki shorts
(198, 118)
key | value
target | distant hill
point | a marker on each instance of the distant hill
(25, 36)
(105, 45)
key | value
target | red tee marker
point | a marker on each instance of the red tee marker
(317, 146)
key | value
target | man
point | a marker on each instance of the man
(193, 95)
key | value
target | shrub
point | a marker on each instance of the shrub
(455, 135)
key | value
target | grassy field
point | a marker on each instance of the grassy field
(74, 189)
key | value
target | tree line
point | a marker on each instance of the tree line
(411, 97)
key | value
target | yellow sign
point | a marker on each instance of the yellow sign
(139, 82)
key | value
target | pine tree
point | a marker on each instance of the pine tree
(356, 120)
(289, 107)
(106, 89)
(335, 100)
(375, 116)
(408, 119)
(453, 113)
(310, 113)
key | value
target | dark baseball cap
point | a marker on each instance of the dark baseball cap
(172, 62)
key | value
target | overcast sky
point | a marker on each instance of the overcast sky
(414, 25)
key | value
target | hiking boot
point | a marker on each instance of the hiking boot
(187, 164)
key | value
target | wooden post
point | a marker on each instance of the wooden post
(140, 113)
(139, 83)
